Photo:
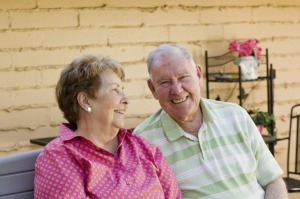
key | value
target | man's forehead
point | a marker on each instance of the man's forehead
(169, 61)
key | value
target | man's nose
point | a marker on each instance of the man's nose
(176, 87)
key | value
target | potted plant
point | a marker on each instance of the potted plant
(246, 48)
(249, 56)
(264, 119)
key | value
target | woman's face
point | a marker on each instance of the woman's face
(110, 102)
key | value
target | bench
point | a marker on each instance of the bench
(17, 175)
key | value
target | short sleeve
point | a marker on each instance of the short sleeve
(267, 167)
(58, 176)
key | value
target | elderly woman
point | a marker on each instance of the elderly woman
(94, 156)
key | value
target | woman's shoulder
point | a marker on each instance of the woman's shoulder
(54, 148)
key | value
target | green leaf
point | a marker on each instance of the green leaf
(264, 118)
(237, 61)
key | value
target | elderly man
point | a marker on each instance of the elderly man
(214, 148)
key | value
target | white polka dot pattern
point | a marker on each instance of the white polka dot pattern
(73, 167)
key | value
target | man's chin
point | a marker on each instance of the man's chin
(181, 118)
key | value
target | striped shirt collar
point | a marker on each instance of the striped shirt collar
(173, 131)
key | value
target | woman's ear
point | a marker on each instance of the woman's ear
(82, 100)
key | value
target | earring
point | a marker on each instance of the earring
(88, 109)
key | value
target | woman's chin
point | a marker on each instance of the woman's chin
(119, 125)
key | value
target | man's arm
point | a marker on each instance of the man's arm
(276, 189)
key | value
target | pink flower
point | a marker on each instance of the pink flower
(246, 48)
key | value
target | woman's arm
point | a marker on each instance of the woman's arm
(58, 176)
(166, 177)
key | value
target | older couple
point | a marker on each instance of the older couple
(213, 148)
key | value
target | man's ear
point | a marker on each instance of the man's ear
(199, 74)
(82, 100)
(152, 88)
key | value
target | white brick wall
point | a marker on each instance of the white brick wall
(43, 19)
(17, 4)
(6, 62)
(42, 58)
(108, 17)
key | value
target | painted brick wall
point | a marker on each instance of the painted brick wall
(39, 37)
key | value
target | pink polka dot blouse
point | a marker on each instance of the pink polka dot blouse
(73, 167)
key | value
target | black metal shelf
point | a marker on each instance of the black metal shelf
(235, 79)
(213, 62)
(227, 58)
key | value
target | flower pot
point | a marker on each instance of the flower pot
(249, 67)
(260, 128)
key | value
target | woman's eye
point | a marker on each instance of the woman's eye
(116, 90)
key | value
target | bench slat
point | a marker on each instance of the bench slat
(17, 175)
(15, 183)
(27, 195)
(18, 162)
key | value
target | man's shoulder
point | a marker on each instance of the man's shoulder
(140, 142)
(215, 110)
(220, 105)
(215, 103)
(153, 121)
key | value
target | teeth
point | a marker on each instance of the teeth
(120, 111)
(177, 101)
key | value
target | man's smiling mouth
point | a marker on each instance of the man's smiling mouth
(178, 101)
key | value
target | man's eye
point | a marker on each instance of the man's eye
(164, 83)
(184, 77)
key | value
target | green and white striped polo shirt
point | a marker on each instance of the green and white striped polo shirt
(228, 159)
